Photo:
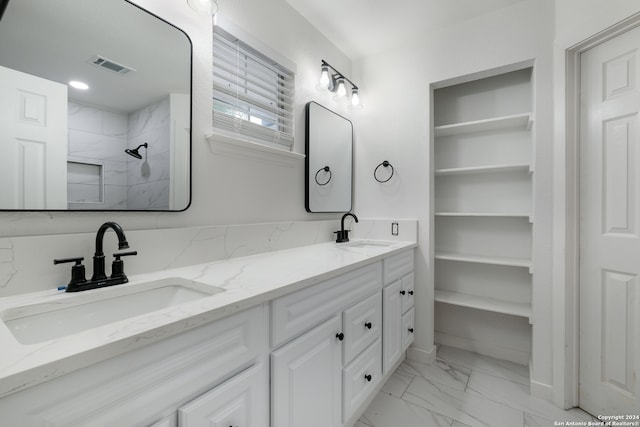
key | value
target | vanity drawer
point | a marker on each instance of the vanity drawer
(408, 287)
(407, 329)
(397, 266)
(360, 377)
(362, 324)
(298, 312)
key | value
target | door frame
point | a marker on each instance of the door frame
(569, 394)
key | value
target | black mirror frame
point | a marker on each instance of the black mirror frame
(3, 6)
(306, 160)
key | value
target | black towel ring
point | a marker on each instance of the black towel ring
(386, 164)
(326, 169)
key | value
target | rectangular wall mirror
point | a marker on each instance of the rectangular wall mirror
(117, 139)
(328, 165)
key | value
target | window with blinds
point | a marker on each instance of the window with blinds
(252, 95)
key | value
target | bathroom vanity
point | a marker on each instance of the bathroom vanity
(297, 337)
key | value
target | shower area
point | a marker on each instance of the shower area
(119, 160)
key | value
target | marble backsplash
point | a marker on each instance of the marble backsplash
(26, 262)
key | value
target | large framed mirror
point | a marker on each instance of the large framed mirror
(329, 160)
(96, 107)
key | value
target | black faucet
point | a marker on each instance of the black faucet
(342, 234)
(98, 257)
(99, 279)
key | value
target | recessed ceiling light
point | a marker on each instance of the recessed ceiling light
(78, 85)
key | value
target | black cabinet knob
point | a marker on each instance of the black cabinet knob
(340, 336)
(410, 292)
(368, 325)
(411, 330)
(402, 292)
(368, 377)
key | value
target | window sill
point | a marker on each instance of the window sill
(235, 147)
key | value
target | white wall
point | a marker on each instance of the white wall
(226, 190)
(394, 125)
(576, 21)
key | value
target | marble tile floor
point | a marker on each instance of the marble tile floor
(462, 389)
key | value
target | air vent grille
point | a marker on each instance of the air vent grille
(110, 65)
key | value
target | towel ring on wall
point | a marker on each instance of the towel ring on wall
(326, 169)
(386, 164)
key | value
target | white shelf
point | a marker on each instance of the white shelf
(484, 303)
(523, 167)
(479, 259)
(485, 214)
(522, 121)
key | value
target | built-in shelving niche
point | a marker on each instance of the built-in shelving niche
(483, 213)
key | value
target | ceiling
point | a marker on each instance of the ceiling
(365, 27)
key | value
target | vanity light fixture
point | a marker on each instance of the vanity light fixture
(342, 90)
(325, 80)
(78, 85)
(335, 81)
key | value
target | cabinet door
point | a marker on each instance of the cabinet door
(408, 289)
(242, 401)
(305, 378)
(391, 324)
(407, 329)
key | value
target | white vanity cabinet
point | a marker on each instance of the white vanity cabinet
(397, 307)
(149, 385)
(318, 378)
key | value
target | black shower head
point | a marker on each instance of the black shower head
(134, 152)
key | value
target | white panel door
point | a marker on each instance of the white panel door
(306, 379)
(610, 220)
(33, 142)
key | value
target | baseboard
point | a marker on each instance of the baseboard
(422, 356)
(486, 349)
(541, 390)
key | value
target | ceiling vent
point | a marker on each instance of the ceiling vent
(110, 65)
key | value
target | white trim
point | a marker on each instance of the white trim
(235, 147)
(541, 390)
(566, 307)
(422, 356)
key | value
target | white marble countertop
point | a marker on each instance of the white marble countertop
(247, 281)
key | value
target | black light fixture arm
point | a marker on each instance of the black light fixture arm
(338, 73)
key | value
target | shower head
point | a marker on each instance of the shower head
(134, 152)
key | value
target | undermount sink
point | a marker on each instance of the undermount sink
(67, 314)
(369, 244)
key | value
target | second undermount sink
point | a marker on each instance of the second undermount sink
(67, 314)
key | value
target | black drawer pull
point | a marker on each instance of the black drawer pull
(402, 292)
(410, 292)
(340, 336)
(368, 377)
(411, 330)
(368, 325)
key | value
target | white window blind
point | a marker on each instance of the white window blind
(252, 95)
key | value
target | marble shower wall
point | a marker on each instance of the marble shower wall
(97, 137)
(148, 179)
